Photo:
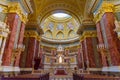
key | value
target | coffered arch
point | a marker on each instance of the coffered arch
(61, 7)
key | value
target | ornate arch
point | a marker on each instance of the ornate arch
(60, 7)
(60, 35)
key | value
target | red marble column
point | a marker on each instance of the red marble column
(23, 56)
(89, 52)
(83, 50)
(12, 21)
(31, 52)
(80, 65)
(20, 42)
(37, 51)
(109, 19)
(101, 42)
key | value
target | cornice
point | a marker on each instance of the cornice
(60, 41)
(15, 7)
(86, 23)
(32, 33)
(34, 25)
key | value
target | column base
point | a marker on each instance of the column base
(16, 69)
(105, 69)
(111, 69)
(9, 69)
(114, 69)
(94, 69)
(26, 69)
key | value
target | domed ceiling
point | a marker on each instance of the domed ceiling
(60, 26)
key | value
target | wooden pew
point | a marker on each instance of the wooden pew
(28, 77)
(93, 77)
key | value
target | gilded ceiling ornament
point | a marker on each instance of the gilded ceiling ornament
(106, 7)
(70, 25)
(50, 26)
(32, 33)
(16, 8)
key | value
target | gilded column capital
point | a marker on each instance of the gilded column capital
(15, 7)
(39, 38)
(106, 7)
(88, 34)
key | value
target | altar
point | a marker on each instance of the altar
(61, 64)
(59, 61)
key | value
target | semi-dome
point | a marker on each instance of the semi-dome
(60, 26)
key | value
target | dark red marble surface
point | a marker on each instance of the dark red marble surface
(20, 41)
(108, 19)
(89, 52)
(12, 21)
(30, 52)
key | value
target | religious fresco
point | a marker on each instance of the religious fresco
(50, 26)
(60, 27)
(70, 25)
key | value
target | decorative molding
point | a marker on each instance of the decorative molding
(15, 7)
(86, 23)
(106, 7)
(88, 34)
(4, 29)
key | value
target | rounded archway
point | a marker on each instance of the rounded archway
(60, 7)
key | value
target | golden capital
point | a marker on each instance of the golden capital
(106, 7)
(16, 8)
(31, 33)
(88, 34)
(38, 38)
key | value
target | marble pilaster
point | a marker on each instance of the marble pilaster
(12, 21)
(89, 53)
(108, 19)
(20, 44)
(31, 52)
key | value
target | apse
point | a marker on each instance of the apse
(60, 25)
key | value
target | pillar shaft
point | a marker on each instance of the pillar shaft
(12, 21)
(109, 19)
(89, 52)
(80, 60)
(20, 42)
(31, 52)
(101, 42)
